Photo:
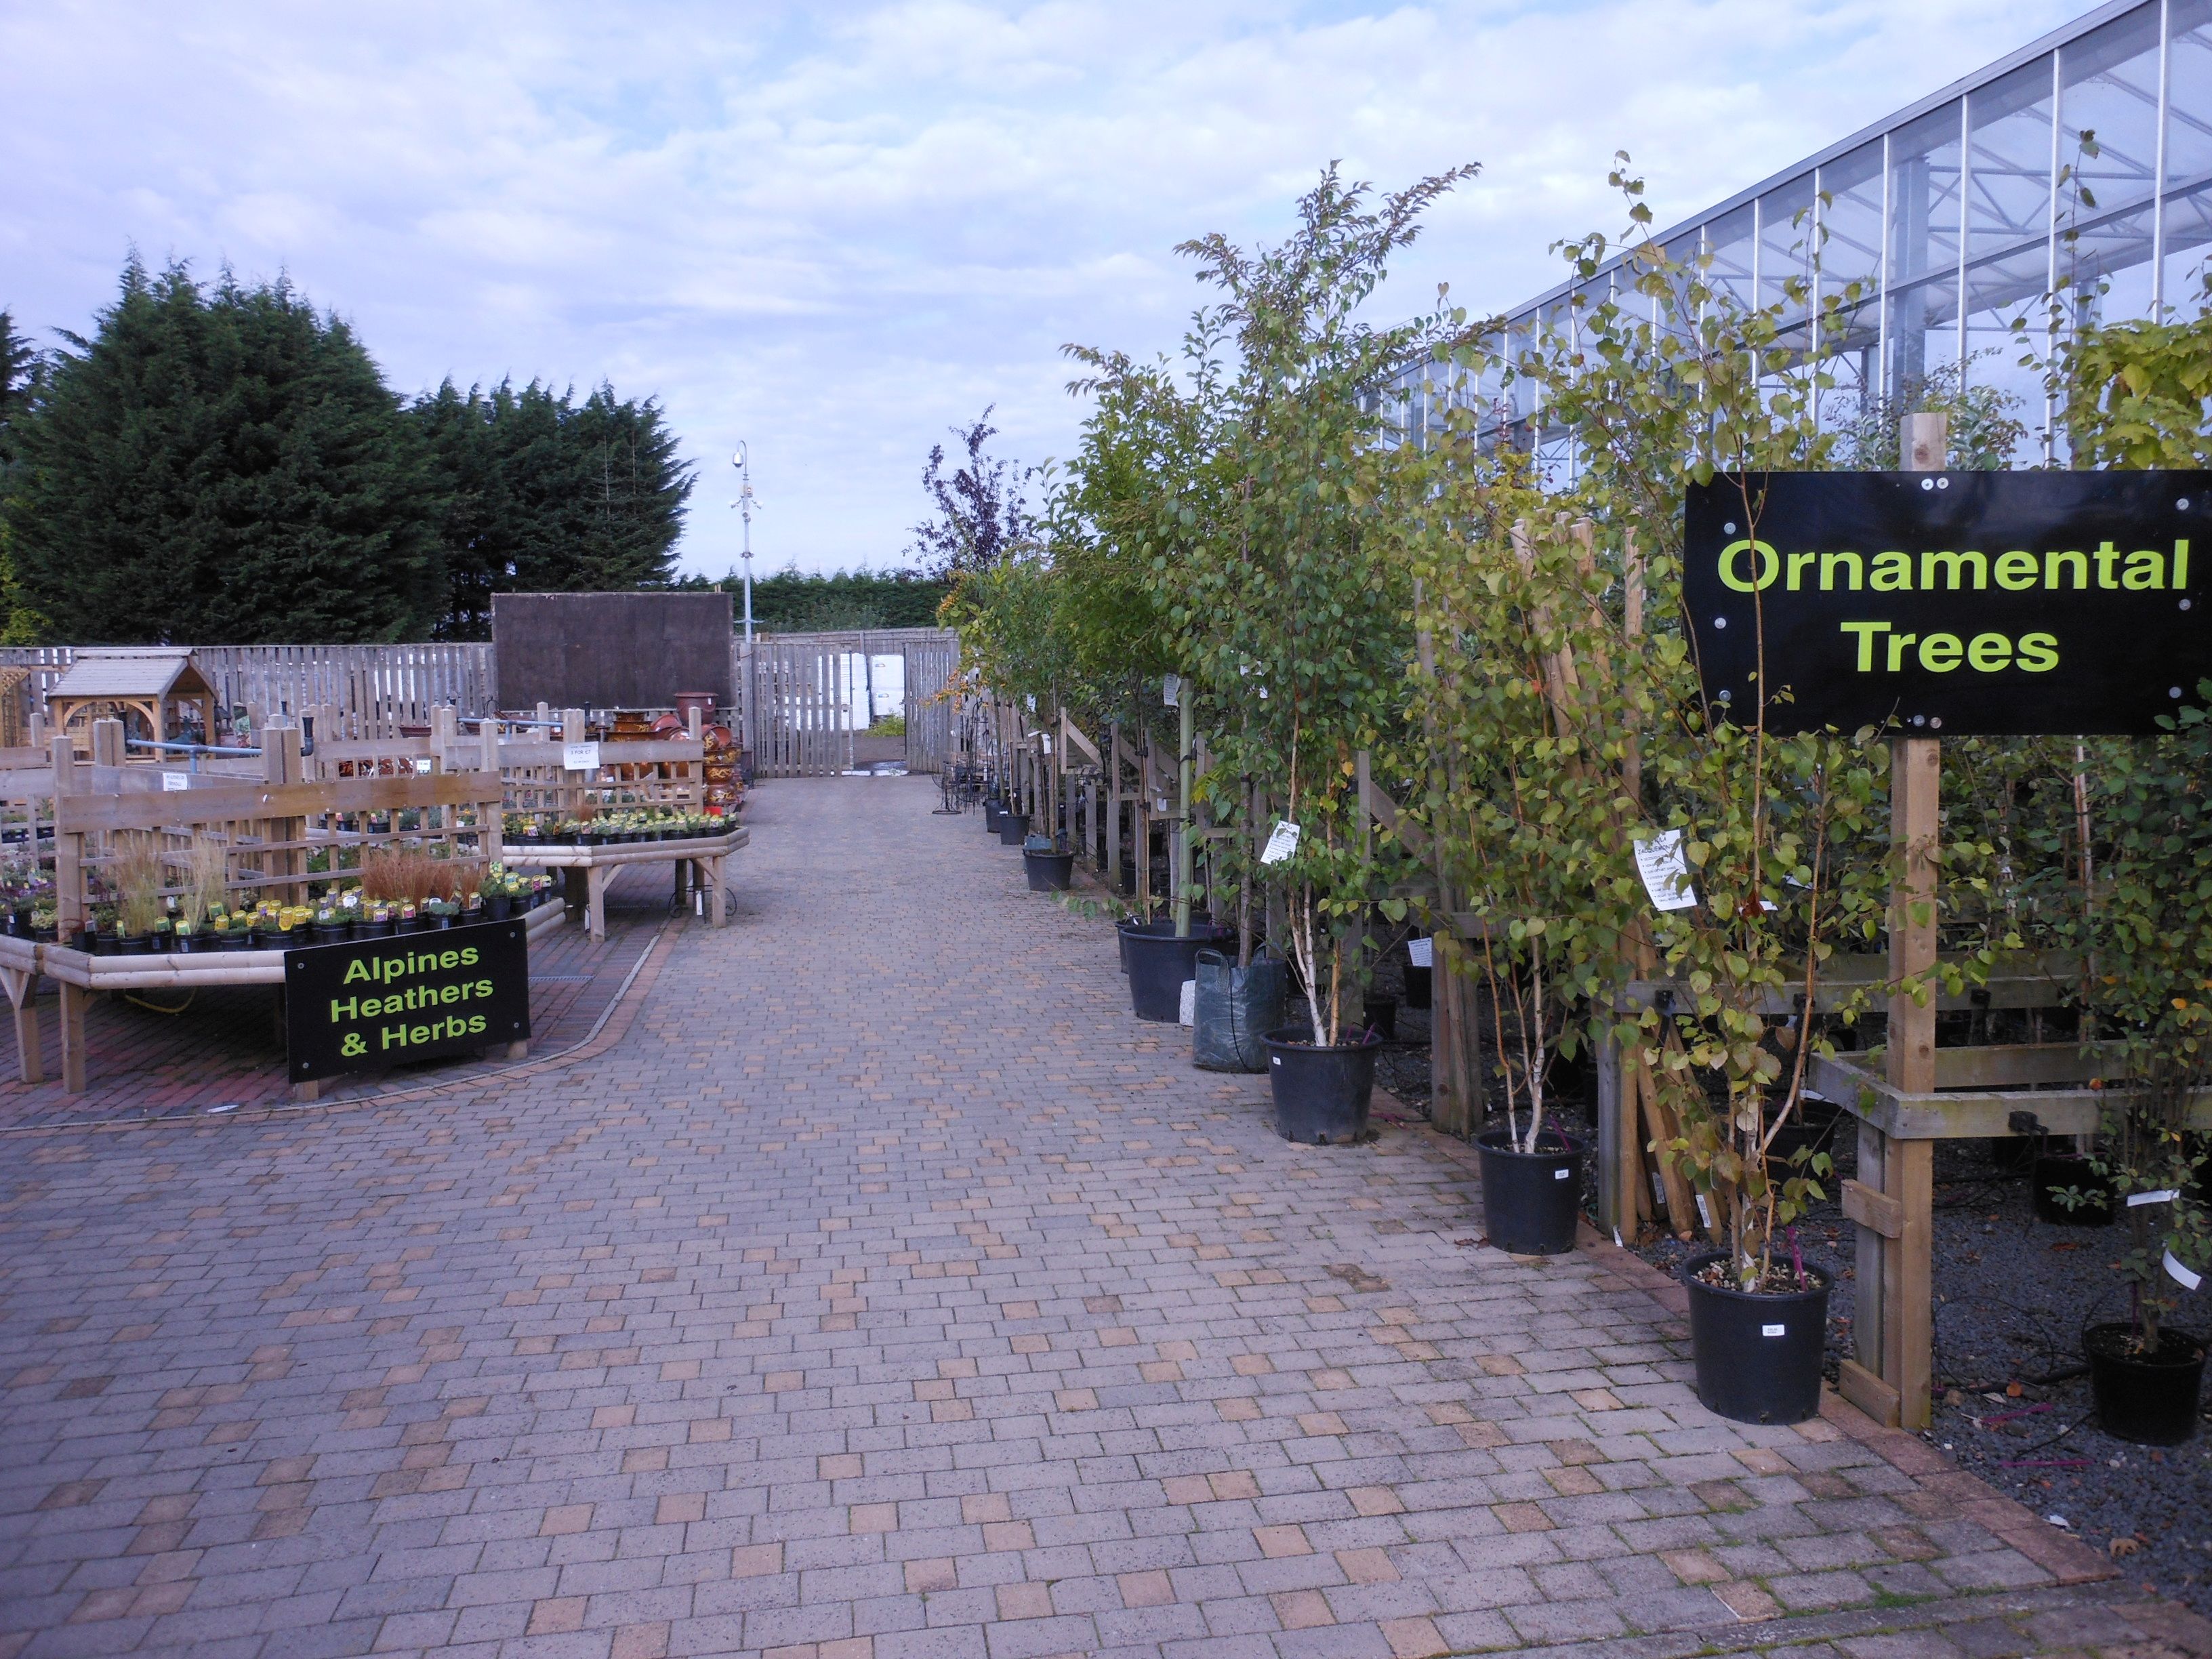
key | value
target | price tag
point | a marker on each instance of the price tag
(1666, 872)
(174, 782)
(1281, 844)
(1774, 1330)
(2181, 1275)
(1171, 690)
(1421, 952)
(421, 764)
(2136, 1200)
(580, 757)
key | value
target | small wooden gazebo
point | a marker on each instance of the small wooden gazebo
(155, 693)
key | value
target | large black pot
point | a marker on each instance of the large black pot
(2056, 1172)
(1531, 1202)
(1758, 1358)
(1321, 1093)
(1013, 828)
(992, 809)
(2150, 1399)
(1125, 929)
(1159, 963)
(1049, 872)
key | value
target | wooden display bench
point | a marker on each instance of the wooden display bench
(587, 869)
(270, 829)
(82, 975)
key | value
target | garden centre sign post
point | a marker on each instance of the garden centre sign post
(375, 1003)
(1963, 604)
(1939, 604)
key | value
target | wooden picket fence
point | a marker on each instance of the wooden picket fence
(381, 687)
(804, 688)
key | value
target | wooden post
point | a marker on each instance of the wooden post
(1114, 809)
(108, 748)
(1180, 861)
(1891, 1378)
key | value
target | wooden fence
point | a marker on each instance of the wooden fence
(807, 697)
(381, 686)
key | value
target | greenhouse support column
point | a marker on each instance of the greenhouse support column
(1897, 1344)
(1182, 810)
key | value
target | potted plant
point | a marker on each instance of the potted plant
(135, 870)
(2145, 939)
(43, 922)
(440, 912)
(1049, 868)
(497, 892)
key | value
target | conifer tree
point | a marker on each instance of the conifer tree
(222, 466)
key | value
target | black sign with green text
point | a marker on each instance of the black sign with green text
(375, 1003)
(1956, 604)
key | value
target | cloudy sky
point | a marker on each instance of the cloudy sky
(834, 230)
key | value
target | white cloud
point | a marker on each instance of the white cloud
(836, 231)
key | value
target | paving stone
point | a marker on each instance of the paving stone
(883, 1290)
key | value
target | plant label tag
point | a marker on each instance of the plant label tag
(1666, 872)
(1031, 700)
(579, 757)
(2136, 1200)
(1561, 1175)
(1281, 844)
(2181, 1275)
(1171, 691)
(1187, 1010)
(174, 782)
(1421, 952)
(1774, 1330)
(1704, 1211)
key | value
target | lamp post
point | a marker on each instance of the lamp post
(744, 505)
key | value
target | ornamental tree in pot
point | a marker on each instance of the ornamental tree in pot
(1668, 379)
(1290, 612)
(2144, 932)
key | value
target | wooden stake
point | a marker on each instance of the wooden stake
(1892, 1375)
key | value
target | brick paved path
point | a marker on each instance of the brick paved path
(886, 1291)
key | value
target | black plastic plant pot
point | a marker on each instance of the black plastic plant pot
(1049, 872)
(498, 905)
(992, 813)
(1757, 1356)
(1531, 1202)
(1380, 1014)
(1418, 992)
(1124, 929)
(1322, 1092)
(2058, 1172)
(2149, 1398)
(2012, 1154)
(1013, 828)
(1159, 963)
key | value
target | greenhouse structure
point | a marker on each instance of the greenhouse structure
(2069, 182)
